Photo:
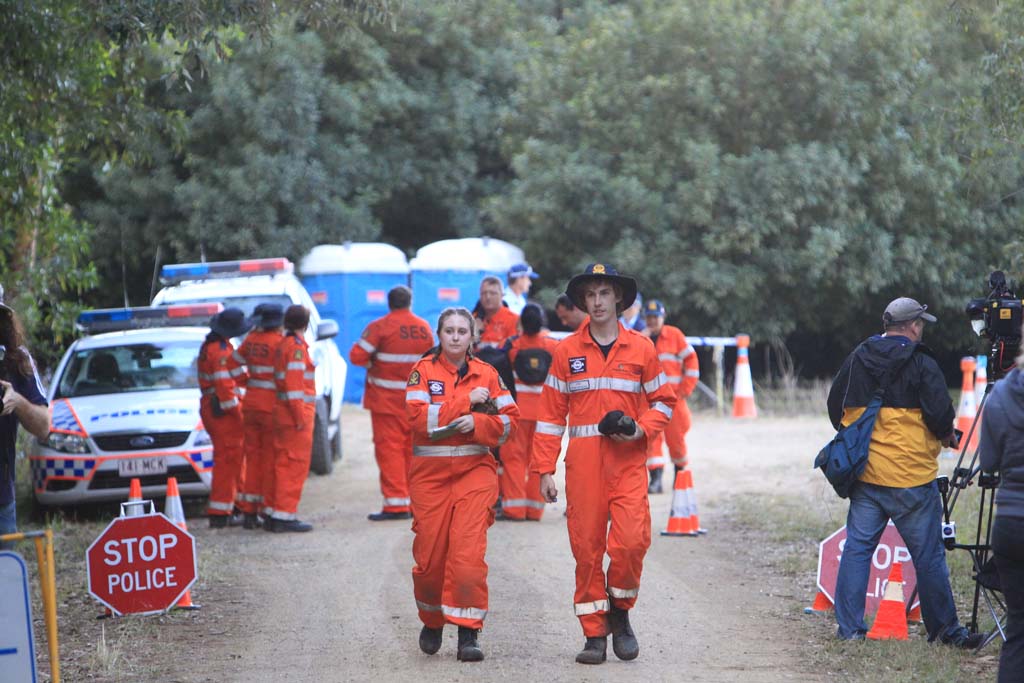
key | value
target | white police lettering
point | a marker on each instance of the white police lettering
(436, 387)
(578, 365)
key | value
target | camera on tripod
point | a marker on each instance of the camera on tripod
(998, 317)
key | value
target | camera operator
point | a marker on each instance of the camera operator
(898, 482)
(1002, 450)
(23, 403)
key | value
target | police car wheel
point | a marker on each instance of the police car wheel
(322, 461)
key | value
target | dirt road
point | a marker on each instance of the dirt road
(337, 605)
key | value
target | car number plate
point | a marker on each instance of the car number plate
(140, 467)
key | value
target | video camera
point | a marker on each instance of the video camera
(998, 317)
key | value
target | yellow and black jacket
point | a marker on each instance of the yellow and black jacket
(916, 412)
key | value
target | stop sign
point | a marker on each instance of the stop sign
(141, 565)
(891, 548)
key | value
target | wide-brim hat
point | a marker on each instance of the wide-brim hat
(231, 322)
(268, 316)
(597, 271)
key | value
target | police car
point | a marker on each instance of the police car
(248, 283)
(124, 403)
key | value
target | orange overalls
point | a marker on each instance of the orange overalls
(679, 361)
(496, 331)
(453, 484)
(520, 487)
(296, 405)
(222, 381)
(603, 477)
(389, 347)
(258, 417)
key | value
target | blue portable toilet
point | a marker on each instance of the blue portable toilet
(349, 283)
(448, 272)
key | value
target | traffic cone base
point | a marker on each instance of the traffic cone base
(821, 604)
(891, 620)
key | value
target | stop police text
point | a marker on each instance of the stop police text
(140, 549)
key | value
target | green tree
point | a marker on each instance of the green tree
(767, 167)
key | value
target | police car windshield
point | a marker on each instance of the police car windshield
(130, 368)
(246, 303)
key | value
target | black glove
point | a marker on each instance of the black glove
(617, 422)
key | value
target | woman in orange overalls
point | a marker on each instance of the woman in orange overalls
(458, 408)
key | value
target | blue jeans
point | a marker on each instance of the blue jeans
(917, 514)
(8, 523)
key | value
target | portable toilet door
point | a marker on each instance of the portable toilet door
(349, 283)
(448, 272)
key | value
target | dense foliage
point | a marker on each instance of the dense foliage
(781, 168)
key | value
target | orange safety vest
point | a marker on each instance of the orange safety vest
(221, 372)
(583, 385)
(436, 394)
(389, 347)
(678, 360)
(496, 330)
(294, 376)
(257, 351)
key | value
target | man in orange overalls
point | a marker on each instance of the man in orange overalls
(609, 383)
(388, 348)
(257, 350)
(496, 322)
(679, 361)
(530, 354)
(294, 414)
(222, 381)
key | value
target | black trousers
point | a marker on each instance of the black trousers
(1008, 550)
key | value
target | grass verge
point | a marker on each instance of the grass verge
(788, 531)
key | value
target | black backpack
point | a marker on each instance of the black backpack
(498, 359)
(532, 366)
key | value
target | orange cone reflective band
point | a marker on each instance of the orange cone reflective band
(968, 408)
(680, 522)
(743, 388)
(891, 620)
(176, 513)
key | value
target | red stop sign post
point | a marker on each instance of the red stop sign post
(891, 548)
(141, 565)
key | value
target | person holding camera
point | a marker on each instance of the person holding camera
(1002, 451)
(23, 404)
(915, 420)
(458, 409)
(608, 381)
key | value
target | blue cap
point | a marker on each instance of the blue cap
(521, 270)
(654, 307)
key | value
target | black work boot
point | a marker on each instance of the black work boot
(624, 643)
(469, 651)
(594, 652)
(655, 485)
(430, 639)
(269, 523)
(282, 526)
(251, 521)
(218, 521)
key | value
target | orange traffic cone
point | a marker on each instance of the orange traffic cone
(691, 493)
(743, 387)
(891, 619)
(968, 407)
(134, 496)
(821, 604)
(980, 382)
(680, 521)
(176, 513)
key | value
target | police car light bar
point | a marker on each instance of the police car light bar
(143, 317)
(174, 274)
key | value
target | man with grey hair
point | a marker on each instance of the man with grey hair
(898, 482)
